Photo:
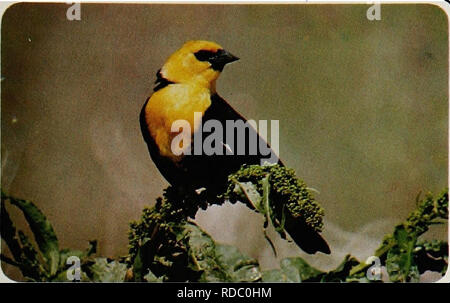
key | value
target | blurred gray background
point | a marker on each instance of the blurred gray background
(363, 110)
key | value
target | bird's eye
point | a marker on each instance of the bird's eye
(205, 55)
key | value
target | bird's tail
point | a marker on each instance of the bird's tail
(306, 237)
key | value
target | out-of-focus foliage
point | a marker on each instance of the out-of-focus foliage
(166, 246)
(46, 262)
(402, 251)
(405, 255)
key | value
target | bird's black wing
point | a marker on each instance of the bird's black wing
(212, 171)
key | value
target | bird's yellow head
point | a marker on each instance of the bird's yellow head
(198, 62)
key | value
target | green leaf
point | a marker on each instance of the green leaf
(292, 270)
(400, 259)
(43, 232)
(202, 255)
(219, 263)
(275, 275)
(92, 249)
(248, 192)
(8, 232)
(342, 272)
(238, 267)
(30, 265)
(103, 271)
(150, 277)
(138, 265)
(305, 270)
(201, 247)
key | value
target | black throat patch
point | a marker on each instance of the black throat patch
(161, 82)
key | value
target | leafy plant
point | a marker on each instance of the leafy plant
(406, 256)
(46, 262)
(166, 245)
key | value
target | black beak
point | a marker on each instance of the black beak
(221, 58)
(217, 59)
(225, 56)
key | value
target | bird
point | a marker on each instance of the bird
(186, 84)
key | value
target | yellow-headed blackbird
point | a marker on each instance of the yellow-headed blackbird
(186, 84)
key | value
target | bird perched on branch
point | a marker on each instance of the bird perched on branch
(186, 91)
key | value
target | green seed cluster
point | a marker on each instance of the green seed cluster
(428, 210)
(431, 246)
(286, 190)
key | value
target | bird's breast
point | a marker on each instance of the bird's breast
(170, 104)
